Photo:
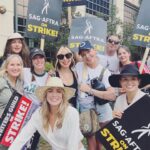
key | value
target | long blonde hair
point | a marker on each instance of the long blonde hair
(3, 69)
(45, 112)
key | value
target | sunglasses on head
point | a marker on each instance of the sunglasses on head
(112, 41)
(61, 56)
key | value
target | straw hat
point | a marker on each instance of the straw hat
(54, 82)
(15, 36)
(129, 70)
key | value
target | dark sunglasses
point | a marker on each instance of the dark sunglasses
(61, 56)
(112, 41)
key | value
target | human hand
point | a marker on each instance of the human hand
(52, 73)
(117, 114)
(85, 87)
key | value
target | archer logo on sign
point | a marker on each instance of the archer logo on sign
(44, 19)
(88, 28)
(141, 33)
(46, 6)
(142, 131)
(132, 131)
(13, 118)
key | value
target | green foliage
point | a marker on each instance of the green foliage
(113, 21)
(49, 66)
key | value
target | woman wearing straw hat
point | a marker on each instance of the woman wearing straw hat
(130, 80)
(55, 120)
(16, 44)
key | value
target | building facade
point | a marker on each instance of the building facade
(126, 10)
(6, 22)
(14, 19)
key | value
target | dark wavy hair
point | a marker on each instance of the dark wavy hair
(24, 52)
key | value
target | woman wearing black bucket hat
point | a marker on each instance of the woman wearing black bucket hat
(131, 81)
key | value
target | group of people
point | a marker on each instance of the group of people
(58, 96)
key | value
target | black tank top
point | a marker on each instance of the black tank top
(73, 100)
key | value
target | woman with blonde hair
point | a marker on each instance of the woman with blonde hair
(10, 80)
(64, 68)
(56, 121)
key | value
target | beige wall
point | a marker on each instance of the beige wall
(6, 22)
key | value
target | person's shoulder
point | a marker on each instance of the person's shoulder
(79, 64)
(121, 98)
(71, 111)
(101, 56)
(2, 80)
(26, 69)
(37, 113)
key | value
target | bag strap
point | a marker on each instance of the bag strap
(102, 74)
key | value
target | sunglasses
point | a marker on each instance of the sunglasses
(112, 41)
(61, 56)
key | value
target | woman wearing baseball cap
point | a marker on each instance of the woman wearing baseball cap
(16, 44)
(33, 78)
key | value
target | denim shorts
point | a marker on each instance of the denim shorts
(104, 111)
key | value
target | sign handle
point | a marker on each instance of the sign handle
(69, 16)
(42, 43)
(144, 59)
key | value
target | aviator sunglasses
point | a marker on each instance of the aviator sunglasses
(112, 41)
(61, 56)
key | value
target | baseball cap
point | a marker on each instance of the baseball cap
(85, 45)
(36, 51)
(15, 36)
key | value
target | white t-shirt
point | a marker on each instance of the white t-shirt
(110, 62)
(65, 138)
(121, 101)
(30, 87)
(90, 74)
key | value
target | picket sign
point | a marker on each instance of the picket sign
(13, 118)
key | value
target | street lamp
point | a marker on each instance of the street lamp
(2, 9)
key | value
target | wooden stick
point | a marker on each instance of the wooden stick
(144, 59)
(42, 43)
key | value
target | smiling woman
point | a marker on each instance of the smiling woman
(16, 44)
(10, 79)
(55, 120)
(131, 81)
(64, 68)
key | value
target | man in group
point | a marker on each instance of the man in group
(109, 59)
(87, 70)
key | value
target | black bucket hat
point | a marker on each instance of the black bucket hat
(84, 46)
(129, 70)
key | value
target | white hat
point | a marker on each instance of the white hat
(54, 82)
(15, 36)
